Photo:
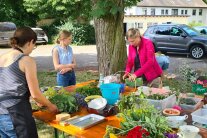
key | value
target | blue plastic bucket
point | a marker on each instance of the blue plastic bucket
(110, 92)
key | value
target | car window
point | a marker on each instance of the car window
(190, 31)
(150, 30)
(175, 31)
(163, 30)
(7, 26)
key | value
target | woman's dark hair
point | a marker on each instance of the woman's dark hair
(21, 36)
(63, 34)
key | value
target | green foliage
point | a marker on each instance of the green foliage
(14, 11)
(144, 115)
(205, 1)
(51, 31)
(187, 73)
(193, 24)
(88, 90)
(65, 103)
(61, 9)
(76, 8)
(83, 34)
(127, 102)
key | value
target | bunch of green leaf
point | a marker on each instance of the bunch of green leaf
(88, 90)
(144, 115)
(152, 121)
(188, 101)
(187, 73)
(156, 97)
(51, 92)
(65, 103)
(63, 91)
(156, 125)
(94, 84)
(127, 102)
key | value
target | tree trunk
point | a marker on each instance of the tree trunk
(110, 42)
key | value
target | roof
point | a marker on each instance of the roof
(172, 3)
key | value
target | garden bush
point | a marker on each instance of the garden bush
(83, 34)
(51, 31)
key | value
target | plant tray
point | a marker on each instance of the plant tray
(165, 103)
(190, 107)
(200, 116)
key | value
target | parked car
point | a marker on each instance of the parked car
(41, 36)
(177, 38)
(7, 30)
(201, 29)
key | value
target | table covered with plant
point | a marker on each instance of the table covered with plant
(137, 117)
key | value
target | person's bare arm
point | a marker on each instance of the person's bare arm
(28, 66)
(74, 62)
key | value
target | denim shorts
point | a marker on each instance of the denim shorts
(163, 61)
(66, 79)
(6, 128)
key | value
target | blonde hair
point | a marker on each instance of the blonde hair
(63, 34)
(132, 33)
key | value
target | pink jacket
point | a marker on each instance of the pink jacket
(149, 66)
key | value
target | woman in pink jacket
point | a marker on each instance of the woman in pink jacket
(141, 57)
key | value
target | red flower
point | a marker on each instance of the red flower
(137, 132)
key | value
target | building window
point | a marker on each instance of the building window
(151, 23)
(194, 12)
(166, 12)
(186, 12)
(174, 11)
(144, 11)
(152, 11)
(138, 25)
(162, 12)
(200, 12)
(182, 12)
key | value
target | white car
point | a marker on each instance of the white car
(41, 36)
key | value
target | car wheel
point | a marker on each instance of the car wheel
(196, 52)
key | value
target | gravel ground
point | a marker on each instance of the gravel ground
(86, 58)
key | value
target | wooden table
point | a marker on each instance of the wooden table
(96, 131)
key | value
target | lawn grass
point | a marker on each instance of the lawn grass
(49, 79)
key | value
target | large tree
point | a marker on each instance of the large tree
(108, 18)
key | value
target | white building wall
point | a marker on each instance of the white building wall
(197, 18)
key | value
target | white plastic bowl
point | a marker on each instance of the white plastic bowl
(98, 103)
(176, 121)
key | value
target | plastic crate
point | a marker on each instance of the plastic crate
(200, 116)
(168, 102)
(190, 107)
